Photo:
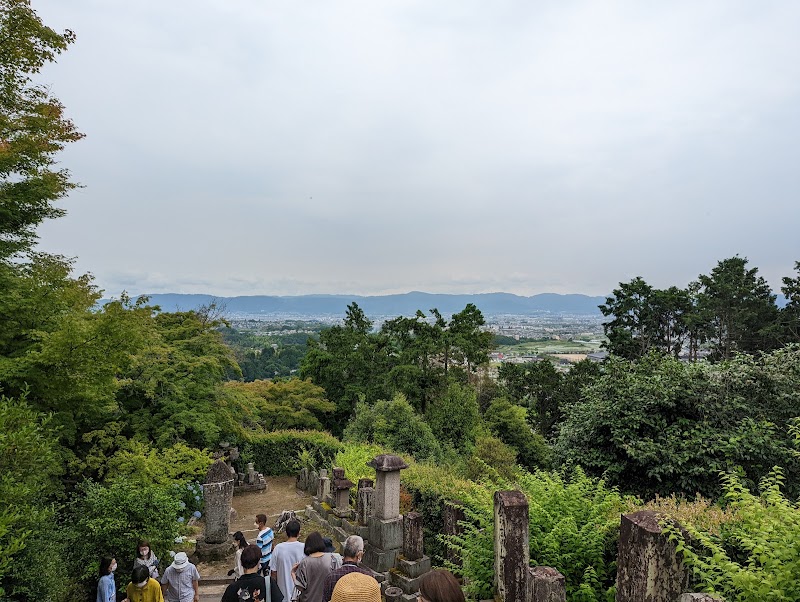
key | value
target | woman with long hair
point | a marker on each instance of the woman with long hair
(241, 543)
(106, 586)
(440, 586)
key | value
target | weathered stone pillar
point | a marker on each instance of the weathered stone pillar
(511, 551)
(412, 536)
(546, 584)
(648, 567)
(365, 502)
(387, 489)
(414, 563)
(393, 594)
(218, 494)
(341, 488)
(323, 488)
(365, 483)
(313, 482)
(452, 514)
(386, 526)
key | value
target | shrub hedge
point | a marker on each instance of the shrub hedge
(279, 452)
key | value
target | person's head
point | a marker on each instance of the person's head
(251, 556)
(143, 549)
(440, 586)
(261, 520)
(140, 576)
(293, 528)
(314, 543)
(356, 587)
(353, 548)
(180, 562)
(329, 547)
(107, 565)
(241, 542)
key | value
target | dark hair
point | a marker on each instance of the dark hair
(329, 547)
(261, 519)
(440, 586)
(238, 537)
(105, 565)
(314, 543)
(293, 528)
(251, 556)
(143, 543)
(140, 573)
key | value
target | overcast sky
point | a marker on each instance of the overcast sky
(454, 146)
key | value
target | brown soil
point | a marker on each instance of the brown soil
(280, 495)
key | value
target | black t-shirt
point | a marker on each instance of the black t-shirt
(251, 587)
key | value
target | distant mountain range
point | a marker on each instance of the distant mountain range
(490, 304)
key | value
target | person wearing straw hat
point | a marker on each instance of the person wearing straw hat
(356, 587)
(181, 580)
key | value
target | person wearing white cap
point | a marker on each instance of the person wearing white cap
(181, 580)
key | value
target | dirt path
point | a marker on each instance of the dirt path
(280, 495)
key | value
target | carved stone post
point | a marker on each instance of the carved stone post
(511, 551)
(648, 567)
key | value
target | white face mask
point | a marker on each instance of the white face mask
(256, 525)
(144, 552)
(142, 585)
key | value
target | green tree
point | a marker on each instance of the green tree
(537, 385)
(28, 454)
(645, 319)
(737, 308)
(507, 422)
(273, 405)
(395, 425)
(350, 362)
(663, 426)
(790, 314)
(454, 417)
(33, 128)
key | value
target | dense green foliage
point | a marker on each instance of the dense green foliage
(279, 452)
(752, 557)
(662, 426)
(507, 422)
(418, 357)
(395, 425)
(262, 356)
(109, 520)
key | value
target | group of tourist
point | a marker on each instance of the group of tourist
(293, 571)
(179, 583)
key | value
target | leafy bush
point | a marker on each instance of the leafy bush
(663, 426)
(508, 422)
(27, 465)
(278, 453)
(395, 425)
(107, 521)
(754, 556)
(140, 463)
(490, 451)
(454, 417)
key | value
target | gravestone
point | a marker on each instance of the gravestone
(365, 501)
(341, 487)
(385, 538)
(218, 493)
(452, 515)
(648, 566)
(546, 584)
(413, 563)
(511, 551)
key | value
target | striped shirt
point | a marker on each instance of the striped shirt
(264, 542)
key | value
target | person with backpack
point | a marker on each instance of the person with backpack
(252, 586)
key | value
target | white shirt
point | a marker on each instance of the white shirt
(284, 557)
